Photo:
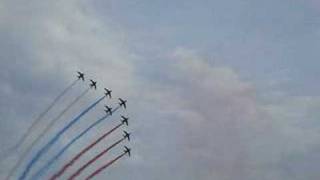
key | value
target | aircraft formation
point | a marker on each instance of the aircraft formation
(108, 109)
(27, 171)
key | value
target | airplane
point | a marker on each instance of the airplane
(124, 120)
(126, 135)
(108, 92)
(123, 103)
(127, 150)
(93, 84)
(80, 75)
(108, 110)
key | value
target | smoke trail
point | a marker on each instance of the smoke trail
(44, 131)
(78, 172)
(75, 158)
(105, 166)
(66, 147)
(55, 139)
(39, 118)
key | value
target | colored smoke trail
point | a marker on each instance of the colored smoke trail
(55, 139)
(104, 166)
(39, 118)
(44, 131)
(78, 172)
(66, 147)
(75, 158)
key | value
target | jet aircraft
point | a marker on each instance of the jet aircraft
(80, 75)
(123, 103)
(127, 150)
(108, 92)
(126, 135)
(125, 120)
(108, 110)
(93, 84)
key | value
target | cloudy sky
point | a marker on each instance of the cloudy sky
(216, 89)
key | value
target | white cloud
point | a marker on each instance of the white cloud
(199, 122)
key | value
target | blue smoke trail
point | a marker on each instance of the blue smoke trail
(37, 121)
(47, 166)
(30, 129)
(38, 137)
(55, 139)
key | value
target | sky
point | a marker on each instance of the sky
(216, 89)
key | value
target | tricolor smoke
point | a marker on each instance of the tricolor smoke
(99, 170)
(44, 149)
(75, 158)
(39, 118)
(78, 172)
(66, 147)
(43, 132)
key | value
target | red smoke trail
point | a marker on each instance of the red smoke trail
(54, 139)
(40, 117)
(37, 121)
(75, 158)
(104, 166)
(25, 152)
(42, 134)
(78, 172)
